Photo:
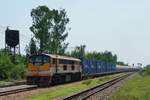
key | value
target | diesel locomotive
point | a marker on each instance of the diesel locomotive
(47, 69)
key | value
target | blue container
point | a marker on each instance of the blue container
(106, 67)
(89, 67)
(103, 66)
(100, 66)
(109, 67)
(85, 67)
(94, 66)
(114, 67)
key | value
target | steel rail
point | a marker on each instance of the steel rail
(14, 84)
(89, 92)
(17, 90)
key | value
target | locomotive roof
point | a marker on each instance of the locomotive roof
(61, 57)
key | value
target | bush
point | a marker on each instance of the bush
(146, 70)
(5, 66)
(9, 70)
(18, 72)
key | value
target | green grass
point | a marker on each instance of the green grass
(64, 90)
(137, 88)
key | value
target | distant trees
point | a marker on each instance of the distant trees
(104, 56)
(49, 28)
(148, 66)
(80, 53)
(146, 70)
(122, 63)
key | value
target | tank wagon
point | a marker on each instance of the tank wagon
(48, 69)
(121, 68)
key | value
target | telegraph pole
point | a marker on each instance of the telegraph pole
(82, 56)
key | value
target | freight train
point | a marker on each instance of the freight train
(47, 69)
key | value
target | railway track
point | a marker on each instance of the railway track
(14, 84)
(79, 96)
(89, 92)
(16, 89)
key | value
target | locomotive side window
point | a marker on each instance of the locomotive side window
(76, 62)
(39, 60)
(45, 59)
(62, 61)
(64, 67)
(65, 61)
(72, 67)
(54, 61)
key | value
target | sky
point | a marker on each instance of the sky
(120, 26)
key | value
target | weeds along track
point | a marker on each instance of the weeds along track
(83, 95)
(16, 89)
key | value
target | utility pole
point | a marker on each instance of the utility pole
(82, 51)
(139, 65)
(82, 56)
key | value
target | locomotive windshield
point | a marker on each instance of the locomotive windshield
(39, 60)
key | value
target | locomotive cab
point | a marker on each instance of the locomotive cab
(47, 69)
(38, 69)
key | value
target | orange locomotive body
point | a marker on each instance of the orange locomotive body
(47, 69)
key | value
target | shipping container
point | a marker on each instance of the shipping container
(97, 67)
(88, 67)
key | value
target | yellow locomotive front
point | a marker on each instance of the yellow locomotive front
(47, 69)
(38, 69)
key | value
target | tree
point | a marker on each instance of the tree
(147, 70)
(59, 33)
(79, 52)
(122, 63)
(49, 28)
(104, 56)
(31, 48)
(41, 24)
(115, 58)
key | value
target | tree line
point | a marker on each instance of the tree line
(79, 52)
